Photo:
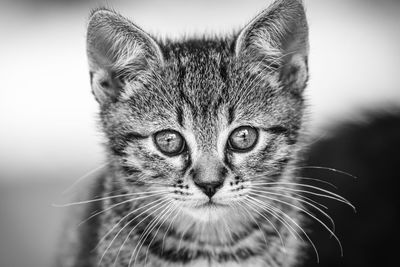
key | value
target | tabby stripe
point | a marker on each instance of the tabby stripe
(188, 237)
(91, 78)
(231, 114)
(130, 170)
(277, 129)
(181, 75)
(185, 255)
(184, 97)
(179, 114)
(188, 162)
(223, 71)
(134, 136)
(117, 151)
(284, 160)
(117, 145)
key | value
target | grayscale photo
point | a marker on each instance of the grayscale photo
(260, 133)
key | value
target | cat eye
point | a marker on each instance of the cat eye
(243, 139)
(169, 142)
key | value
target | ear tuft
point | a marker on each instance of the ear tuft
(277, 39)
(118, 51)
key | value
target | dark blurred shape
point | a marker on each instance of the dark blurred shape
(370, 151)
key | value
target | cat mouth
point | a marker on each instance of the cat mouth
(212, 204)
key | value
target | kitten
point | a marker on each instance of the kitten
(202, 137)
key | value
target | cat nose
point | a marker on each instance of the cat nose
(209, 188)
(208, 174)
(209, 182)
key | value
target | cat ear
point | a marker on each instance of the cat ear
(118, 51)
(277, 40)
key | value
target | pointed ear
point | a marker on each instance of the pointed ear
(118, 52)
(277, 39)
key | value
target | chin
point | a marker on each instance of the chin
(209, 211)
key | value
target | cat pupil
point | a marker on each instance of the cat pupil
(243, 135)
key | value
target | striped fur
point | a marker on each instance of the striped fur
(202, 88)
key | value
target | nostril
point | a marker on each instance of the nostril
(193, 173)
(223, 172)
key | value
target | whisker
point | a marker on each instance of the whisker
(269, 221)
(308, 199)
(309, 214)
(229, 233)
(258, 225)
(147, 229)
(299, 196)
(161, 201)
(118, 204)
(301, 200)
(298, 226)
(332, 195)
(328, 169)
(164, 204)
(149, 183)
(131, 231)
(318, 180)
(105, 198)
(81, 178)
(317, 138)
(150, 227)
(158, 229)
(169, 226)
(182, 235)
(317, 194)
(279, 218)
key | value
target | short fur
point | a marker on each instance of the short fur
(203, 88)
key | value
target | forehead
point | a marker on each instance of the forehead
(202, 86)
(198, 78)
(193, 80)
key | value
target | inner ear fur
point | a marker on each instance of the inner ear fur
(277, 40)
(118, 51)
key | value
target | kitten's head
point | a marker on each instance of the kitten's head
(204, 118)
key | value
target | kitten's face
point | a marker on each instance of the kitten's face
(203, 120)
(202, 134)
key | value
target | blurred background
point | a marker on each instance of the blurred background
(48, 134)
